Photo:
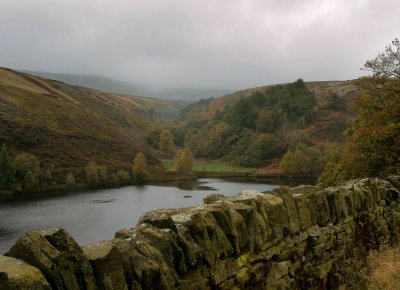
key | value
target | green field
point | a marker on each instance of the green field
(207, 166)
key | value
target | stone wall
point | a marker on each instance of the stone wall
(306, 237)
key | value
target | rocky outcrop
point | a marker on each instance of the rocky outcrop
(306, 237)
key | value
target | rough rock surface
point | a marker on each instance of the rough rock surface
(307, 237)
(16, 274)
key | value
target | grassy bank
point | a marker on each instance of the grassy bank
(208, 166)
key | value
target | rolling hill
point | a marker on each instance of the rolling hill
(68, 126)
(347, 91)
(207, 108)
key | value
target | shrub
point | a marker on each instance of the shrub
(70, 179)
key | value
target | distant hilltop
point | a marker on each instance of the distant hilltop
(110, 85)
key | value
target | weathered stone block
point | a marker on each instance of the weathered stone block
(277, 217)
(321, 271)
(256, 229)
(66, 245)
(210, 198)
(107, 265)
(17, 275)
(302, 211)
(232, 223)
(287, 196)
(278, 270)
(337, 203)
(34, 249)
(132, 261)
(314, 231)
(195, 279)
(223, 270)
(165, 241)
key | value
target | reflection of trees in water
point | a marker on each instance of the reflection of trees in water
(202, 185)
(6, 232)
(193, 185)
(293, 181)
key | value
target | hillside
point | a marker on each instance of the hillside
(206, 109)
(255, 127)
(68, 126)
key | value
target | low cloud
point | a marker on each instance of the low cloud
(202, 44)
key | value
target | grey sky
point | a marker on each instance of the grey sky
(229, 44)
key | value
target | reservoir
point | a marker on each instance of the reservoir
(92, 216)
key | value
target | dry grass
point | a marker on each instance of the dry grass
(384, 269)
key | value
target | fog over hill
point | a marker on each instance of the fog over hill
(110, 85)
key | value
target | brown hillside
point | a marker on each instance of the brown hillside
(69, 125)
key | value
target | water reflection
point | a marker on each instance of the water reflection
(103, 200)
(199, 184)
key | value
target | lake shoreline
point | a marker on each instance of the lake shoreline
(168, 177)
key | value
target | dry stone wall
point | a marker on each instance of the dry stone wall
(305, 237)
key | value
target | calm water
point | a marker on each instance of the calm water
(96, 215)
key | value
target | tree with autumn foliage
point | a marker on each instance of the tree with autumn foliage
(372, 147)
(166, 143)
(184, 161)
(92, 173)
(139, 168)
(27, 168)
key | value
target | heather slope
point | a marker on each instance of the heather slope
(69, 126)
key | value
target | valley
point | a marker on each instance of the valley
(68, 127)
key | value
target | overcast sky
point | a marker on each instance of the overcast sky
(228, 44)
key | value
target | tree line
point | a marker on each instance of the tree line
(25, 173)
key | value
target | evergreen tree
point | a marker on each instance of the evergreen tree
(242, 115)
(7, 172)
(268, 121)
